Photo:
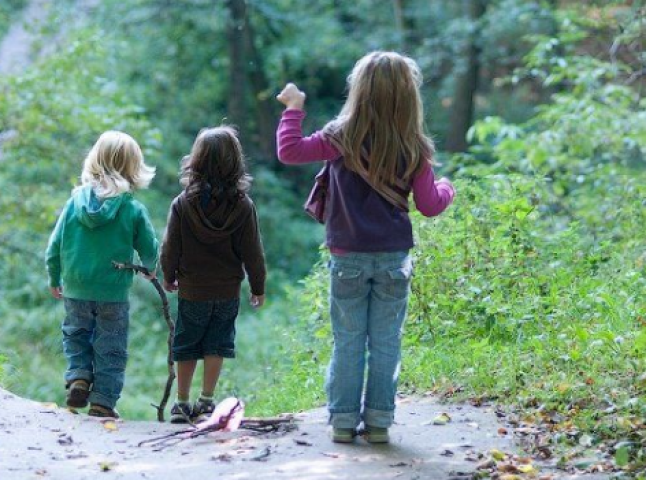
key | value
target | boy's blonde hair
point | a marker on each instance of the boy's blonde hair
(116, 165)
(380, 129)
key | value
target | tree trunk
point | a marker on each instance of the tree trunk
(404, 24)
(263, 98)
(466, 85)
(235, 34)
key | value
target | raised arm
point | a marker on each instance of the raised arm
(292, 147)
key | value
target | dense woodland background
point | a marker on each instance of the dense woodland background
(529, 291)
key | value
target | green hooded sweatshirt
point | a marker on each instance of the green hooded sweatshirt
(89, 235)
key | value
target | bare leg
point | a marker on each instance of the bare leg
(185, 371)
(212, 368)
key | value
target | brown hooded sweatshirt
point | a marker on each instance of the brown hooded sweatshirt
(208, 250)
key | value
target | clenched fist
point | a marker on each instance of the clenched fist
(292, 97)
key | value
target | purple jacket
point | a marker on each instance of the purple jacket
(358, 218)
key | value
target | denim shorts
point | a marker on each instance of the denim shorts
(205, 328)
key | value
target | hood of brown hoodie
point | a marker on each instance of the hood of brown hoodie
(217, 220)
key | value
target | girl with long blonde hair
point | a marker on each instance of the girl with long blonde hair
(379, 155)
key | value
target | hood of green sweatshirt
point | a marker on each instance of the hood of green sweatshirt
(94, 212)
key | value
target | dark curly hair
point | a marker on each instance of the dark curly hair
(215, 167)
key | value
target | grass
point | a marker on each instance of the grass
(512, 304)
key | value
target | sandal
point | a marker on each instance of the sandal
(77, 394)
(101, 411)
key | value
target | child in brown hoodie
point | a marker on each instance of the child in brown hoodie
(212, 239)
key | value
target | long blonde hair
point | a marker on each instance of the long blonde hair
(116, 165)
(380, 129)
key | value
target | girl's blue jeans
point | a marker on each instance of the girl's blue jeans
(95, 342)
(368, 300)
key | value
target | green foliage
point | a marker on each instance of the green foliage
(530, 288)
(55, 112)
(3, 361)
(595, 120)
(8, 11)
(512, 302)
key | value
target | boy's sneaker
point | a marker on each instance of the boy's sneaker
(376, 435)
(343, 435)
(180, 413)
(97, 410)
(77, 394)
(202, 409)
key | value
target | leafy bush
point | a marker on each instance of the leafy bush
(510, 301)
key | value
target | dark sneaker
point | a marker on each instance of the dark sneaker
(202, 409)
(343, 435)
(77, 393)
(180, 413)
(376, 435)
(101, 411)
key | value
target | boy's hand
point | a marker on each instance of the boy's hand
(256, 301)
(292, 97)
(57, 292)
(171, 287)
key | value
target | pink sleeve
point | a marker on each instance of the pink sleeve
(293, 148)
(431, 198)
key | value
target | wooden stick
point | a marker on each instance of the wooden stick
(257, 424)
(171, 330)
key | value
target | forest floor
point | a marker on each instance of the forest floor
(43, 441)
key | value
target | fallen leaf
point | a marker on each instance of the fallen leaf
(507, 468)
(106, 466)
(442, 419)
(497, 454)
(527, 469)
(502, 431)
(110, 425)
(305, 443)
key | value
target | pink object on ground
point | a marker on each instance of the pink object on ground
(228, 414)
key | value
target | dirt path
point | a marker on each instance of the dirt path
(39, 441)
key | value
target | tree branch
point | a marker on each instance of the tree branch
(171, 330)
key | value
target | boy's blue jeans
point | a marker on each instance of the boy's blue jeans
(368, 300)
(95, 342)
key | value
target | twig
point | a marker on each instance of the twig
(262, 425)
(171, 330)
(196, 430)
